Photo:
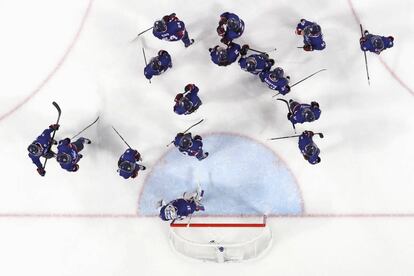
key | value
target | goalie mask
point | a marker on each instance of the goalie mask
(251, 64)
(35, 149)
(168, 212)
(63, 158)
(127, 166)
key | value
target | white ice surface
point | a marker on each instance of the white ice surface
(367, 157)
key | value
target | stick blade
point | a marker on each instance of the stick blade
(57, 107)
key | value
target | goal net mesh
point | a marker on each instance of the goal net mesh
(221, 239)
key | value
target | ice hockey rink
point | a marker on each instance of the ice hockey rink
(352, 214)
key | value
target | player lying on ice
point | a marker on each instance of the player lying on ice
(181, 207)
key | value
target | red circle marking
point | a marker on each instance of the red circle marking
(55, 69)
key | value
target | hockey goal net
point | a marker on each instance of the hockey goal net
(221, 239)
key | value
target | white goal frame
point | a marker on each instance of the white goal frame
(221, 251)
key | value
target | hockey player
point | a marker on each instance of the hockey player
(41, 147)
(255, 63)
(276, 80)
(308, 148)
(187, 102)
(128, 164)
(225, 56)
(375, 43)
(172, 29)
(230, 27)
(158, 64)
(302, 113)
(312, 35)
(180, 208)
(190, 146)
(68, 153)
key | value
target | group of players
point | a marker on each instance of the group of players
(230, 27)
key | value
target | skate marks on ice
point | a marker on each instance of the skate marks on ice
(240, 177)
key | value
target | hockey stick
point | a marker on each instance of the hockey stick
(145, 59)
(142, 33)
(187, 130)
(54, 131)
(302, 80)
(292, 136)
(86, 128)
(261, 52)
(121, 137)
(307, 77)
(290, 111)
(193, 126)
(365, 55)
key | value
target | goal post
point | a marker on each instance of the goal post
(221, 239)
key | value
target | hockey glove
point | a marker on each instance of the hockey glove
(54, 126)
(221, 31)
(198, 137)
(225, 41)
(244, 49)
(314, 105)
(308, 48)
(188, 87)
(138, 156)
(41, 171)
(178, 97)
(289, 115)
(169, 18)
(222, 21)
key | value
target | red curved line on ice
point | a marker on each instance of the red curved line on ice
(393, 74)
(55, 69)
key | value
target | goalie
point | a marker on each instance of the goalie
(181, 207)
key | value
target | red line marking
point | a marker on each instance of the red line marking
(218, 225)
(55, 69)
(274, 216)
(387, 67)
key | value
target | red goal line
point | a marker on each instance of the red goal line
(223, 225)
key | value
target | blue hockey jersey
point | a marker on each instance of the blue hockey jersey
(255, 63)
(312, 35)
(224, 57)
(43, 141)
(188, 102)
(186, 144)
(279, 84)
(128, 164)
(375, 43)
(177, 209)
(308, 148)
(232, 31)
(70, 152)
(175, 31)
(158, 64)
(302, 113)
